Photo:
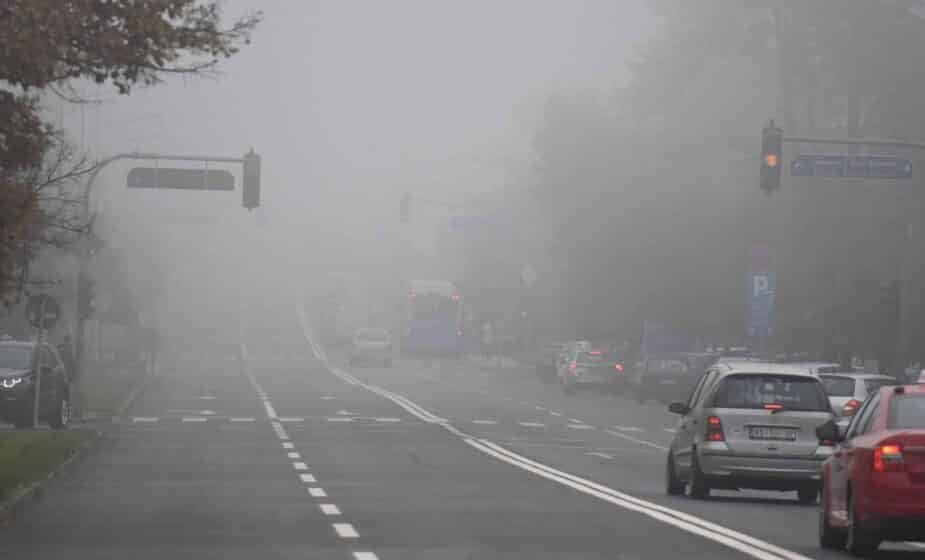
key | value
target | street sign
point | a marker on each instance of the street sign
(34, 308)
(867, 167)
(183, 179)
(760, 303)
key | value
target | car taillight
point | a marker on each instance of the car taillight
(850, 407)
(572, 367)
(715, 429)
(888, 458)
(618, 367)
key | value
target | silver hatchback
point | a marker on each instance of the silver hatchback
(750, 425)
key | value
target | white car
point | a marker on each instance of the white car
(371, 345)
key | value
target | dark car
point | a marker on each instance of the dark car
(20, 364)
(670, 377)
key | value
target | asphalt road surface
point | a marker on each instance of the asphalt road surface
(255, 443)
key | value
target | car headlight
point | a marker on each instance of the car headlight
(10, 382)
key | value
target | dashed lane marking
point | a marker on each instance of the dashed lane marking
(346, 531)
(388, 419)
(580, 427)
(293, 455)
(670, 430)
(576, 421)
(340, 419)
(317, 492)
(307, 478)
(637, 440)
(525, 403)
(300, 466)
(627, 428)
(280, 431)
(271, 412)
(242, 419)
(329, 509)
(194, 419)
(328, 398)
(532, 424)
(538, 407)
(485, 422)
(556, 413)
(145, 419)
(291, 419)
(288, 445)
(364, 556)
(600, 454)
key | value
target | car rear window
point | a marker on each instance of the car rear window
(906, 411)
(759, 390)
(591, 357)
(838, 386)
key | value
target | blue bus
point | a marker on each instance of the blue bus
(433, 318)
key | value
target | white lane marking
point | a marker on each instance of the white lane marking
(188, 411)
(485, 422)
(600, 454)
(556, 413)
(580, 427)
(317, 492)
(538, 407)
(206, 398)
(145, 419)
(733, 539)
(627, 428)
(329, 509)
(328, 398)
(293, 455)
(271, 412)
(508, 398)
(194, 419)
(291, 419)
(670, 430)
(346, 531)
(307, 478)
(280, 431)
(525, 403)
(364, 556)
(299, 466)
(288, 445)
(637, 440)
(576, 421)
(388, 419)
(340, 419)
(532, 424)
(346, 413)
(242, 419)
(915, 544)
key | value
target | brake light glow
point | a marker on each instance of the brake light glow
(773, 406)
(888, 458)
(850, 407)
(456, 297)
(618, 367)
(715, 429)
(595, 352)
(572, 367)
(459, 332)
(412, 295)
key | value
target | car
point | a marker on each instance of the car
(848, 391)
(584, 367)
(671, 376)
(750, 425)
(371, 345)
(873, 485)
(817, 368)
(22, 366)
(921, 377)
(547, 360)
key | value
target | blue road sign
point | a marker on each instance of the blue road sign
(869, 167)
(761, 290)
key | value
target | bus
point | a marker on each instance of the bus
(433, 320)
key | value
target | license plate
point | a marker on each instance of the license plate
(772, 434)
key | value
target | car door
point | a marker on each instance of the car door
(685, 433)
(843, 457)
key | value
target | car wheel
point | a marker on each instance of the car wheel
(828, 537)
(62, 415)
(859, 542)
(699, 487)
(673, 485)
(808, 495)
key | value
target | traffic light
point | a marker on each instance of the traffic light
(250, 190)
(86, 297)
(771, 157)
(404, 208)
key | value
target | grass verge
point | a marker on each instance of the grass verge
(30, 456)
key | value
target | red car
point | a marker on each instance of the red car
(873, 485)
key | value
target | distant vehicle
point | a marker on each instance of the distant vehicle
(670, 377)
(873, 486)
(433, 318)
(371, 345)
(922, 377)
(817, 368)
(848, 391)
(20, 363)
(750, 425)
(584, 367)
(547, 360)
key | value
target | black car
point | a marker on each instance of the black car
(20, 363)
(672, 376)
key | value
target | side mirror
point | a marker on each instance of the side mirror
(678, 408)
(830, 431)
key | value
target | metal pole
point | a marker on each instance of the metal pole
(38, 369)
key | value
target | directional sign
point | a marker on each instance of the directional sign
(184, 179)
(869, 167)
(36, 305)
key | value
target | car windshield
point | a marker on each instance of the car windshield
(15, 357)
(759, 390)
(373, 335)
(906, 412)
(838, 386)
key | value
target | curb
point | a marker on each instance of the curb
(18, 506)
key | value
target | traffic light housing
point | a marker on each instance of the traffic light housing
(86, 297)
(404, 208)
(250, 189)
(772, 140)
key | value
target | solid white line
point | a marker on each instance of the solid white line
(364, 556)
(280, 431)
(242, 419)
(329, 509)
(271, 412)
(388, 419)
(485, 422)
(291, 419)
(670, 430)
(307, 478)
(194, 419)
(346, 531)
(145, 419)
(340, 419)
(532, 424)
(317, 493)
(627, 428)
(636, 440)
(538, 407)
(576, 421)
(288, 445)
(599, 454)
(580, 427)
(300, 466)
(556, 413)
(293, 455)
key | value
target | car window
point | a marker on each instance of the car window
(699, 388)
(837, 386)
(867, 422)
(15, 357)
(871, 386)
(858, 418)
(906, 411)
(756, 390)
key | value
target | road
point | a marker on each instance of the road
(252, 442)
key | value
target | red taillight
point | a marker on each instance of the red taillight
(572, 367)
(850, 407)
(459, 332)
(888, 458)
(595, 352)
(773, 406)
(618, 367)
(456, 297)
(715, 429)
